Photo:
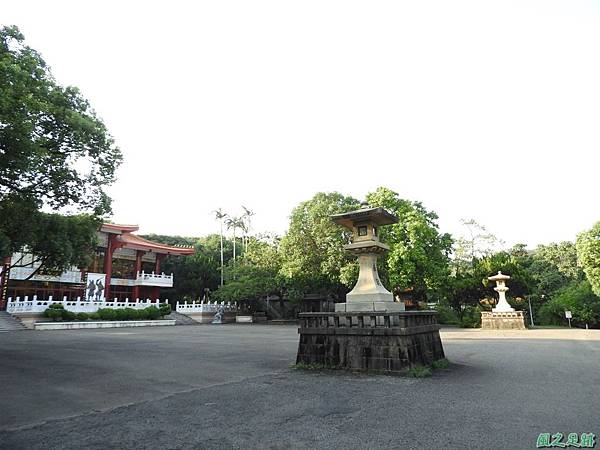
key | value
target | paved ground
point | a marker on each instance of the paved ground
(210, 387)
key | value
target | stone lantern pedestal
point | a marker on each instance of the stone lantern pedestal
(503, 316)
(370, 331)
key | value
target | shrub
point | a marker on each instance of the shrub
(120, 314)
(56, 306)
(440, 364)
(142, 314)
(107, 314)
(129, 314)
(53, 313)
(153, 312)
(94, 316)
(82, 316)
(68, 315)
(419, 371)
(165, 310)
(446, 315)
(471, 317)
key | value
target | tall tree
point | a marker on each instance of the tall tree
(53, 148)
(419, 253)
(476, 243)
(247, 217)
(312, 251)
(234, 223)
(221, 216)
(588, 254)
(54, 152)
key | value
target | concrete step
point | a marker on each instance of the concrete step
(10, 323)
(181, 319)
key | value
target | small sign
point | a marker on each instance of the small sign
(568, 315)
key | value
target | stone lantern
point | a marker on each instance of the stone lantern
(503, 316)
(369, 294)
(370, 331)
(501, 289)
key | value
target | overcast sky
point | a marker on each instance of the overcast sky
(480, 109)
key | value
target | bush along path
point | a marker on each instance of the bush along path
(57, 312)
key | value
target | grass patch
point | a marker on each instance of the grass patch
(419, 371)
(440, 364)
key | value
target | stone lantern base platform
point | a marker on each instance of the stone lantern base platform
(383, 342)
(512, 320)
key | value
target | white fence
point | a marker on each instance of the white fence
(154, 279)
(25, 305)
(205, 307)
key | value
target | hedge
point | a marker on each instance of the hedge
(57, 312)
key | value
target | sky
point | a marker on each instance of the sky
(487, 110)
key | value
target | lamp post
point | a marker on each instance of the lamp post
(530, 311)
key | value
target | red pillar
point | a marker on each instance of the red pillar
(159, 260)
(138, 268)
(4, 282)
(108, 256)
(157, 264)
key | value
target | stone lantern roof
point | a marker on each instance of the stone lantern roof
(499, 277)
(378, 216)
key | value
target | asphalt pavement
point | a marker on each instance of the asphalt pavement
(231, 387)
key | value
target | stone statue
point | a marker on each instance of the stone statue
(218, 318)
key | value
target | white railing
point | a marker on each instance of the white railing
(154, 279)
(22, 273)
(33, 305)
(204, 307)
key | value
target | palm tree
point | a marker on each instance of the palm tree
(248, 213)
(220, 215)
(235, 223)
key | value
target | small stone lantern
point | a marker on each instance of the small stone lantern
(501, 289)
(502, 317)
(369, 294)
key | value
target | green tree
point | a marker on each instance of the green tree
(419, 253)
(312, 251)
(57, 242)
(221, 216)
(576, 297)
(254, 275)
(475, 244)
(53, 148)
(588, 254)
(563, 256)
(194, 273)
(54, 152)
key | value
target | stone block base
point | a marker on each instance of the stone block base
(243, 319)
(502, 320)
(374, 342)
(369, 307)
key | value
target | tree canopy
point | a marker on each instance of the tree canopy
(588, 253)
(55, 153)
(312, 250)
(53, 148)
(419, 253)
